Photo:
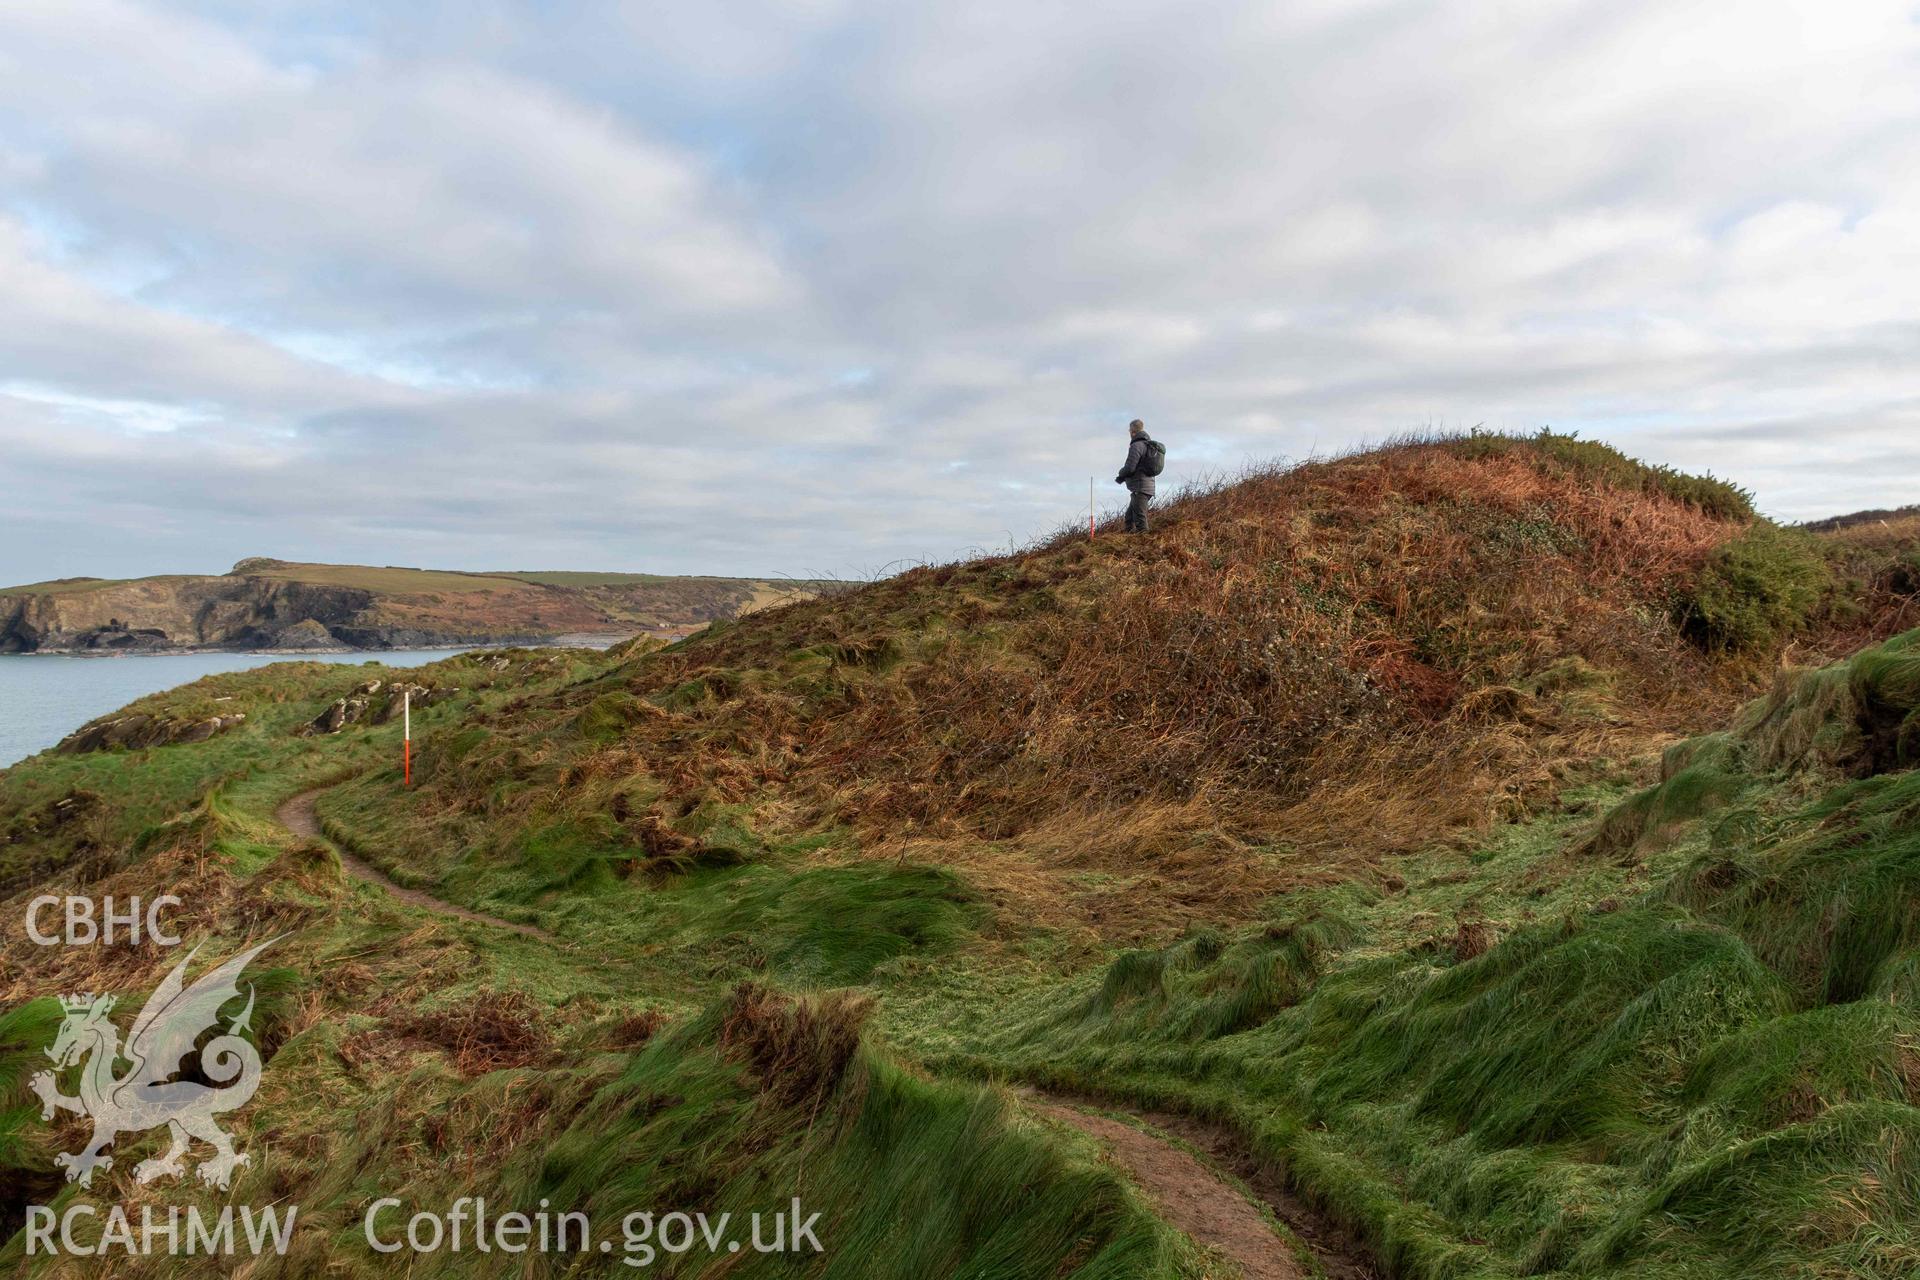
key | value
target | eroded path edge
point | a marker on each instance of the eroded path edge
(297, 816)
(1194, 1197)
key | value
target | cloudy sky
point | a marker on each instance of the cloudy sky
(815, 286)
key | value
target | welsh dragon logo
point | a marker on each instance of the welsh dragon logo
(145, 1095)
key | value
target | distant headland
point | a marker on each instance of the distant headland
(280, 605)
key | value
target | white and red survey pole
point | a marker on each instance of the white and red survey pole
(406, 737)
(1089, 508)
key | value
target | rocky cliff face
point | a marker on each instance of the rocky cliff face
(272, 604)
(177, 613)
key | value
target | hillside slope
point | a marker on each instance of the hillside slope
(1499, 838)
(275, 604)
(1675, 1033)
(1295, 675)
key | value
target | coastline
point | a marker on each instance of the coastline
(566, 640)
(41, 703)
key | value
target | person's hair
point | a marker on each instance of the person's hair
(1137, 427)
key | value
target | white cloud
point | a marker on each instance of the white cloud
(62, 333)
(817, 285)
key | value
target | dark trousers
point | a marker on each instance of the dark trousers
(1137, 512)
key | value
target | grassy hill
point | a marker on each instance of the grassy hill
(1507, 842)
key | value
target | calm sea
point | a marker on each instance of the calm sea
(44, 698)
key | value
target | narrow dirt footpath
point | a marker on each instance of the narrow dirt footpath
(1189, 1194)
(1214, 1213)
(297, 816)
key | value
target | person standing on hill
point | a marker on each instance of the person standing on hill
(1145, 457)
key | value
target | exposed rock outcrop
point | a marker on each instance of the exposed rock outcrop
(144, 730)
(308, 633)
(178, 613)
(374, 704)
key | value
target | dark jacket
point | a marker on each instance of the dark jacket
(1130, 474)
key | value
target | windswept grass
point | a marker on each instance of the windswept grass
(400, 1064)
(1316, 813)
(1719, 1075)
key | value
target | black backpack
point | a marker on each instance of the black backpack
(1153, 460)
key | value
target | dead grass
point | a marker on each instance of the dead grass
(1471, 940)
(1879, 562)
(488, 1031)
(637, 1029)
(213, 899)
(799, 1048)
(1349, 657)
